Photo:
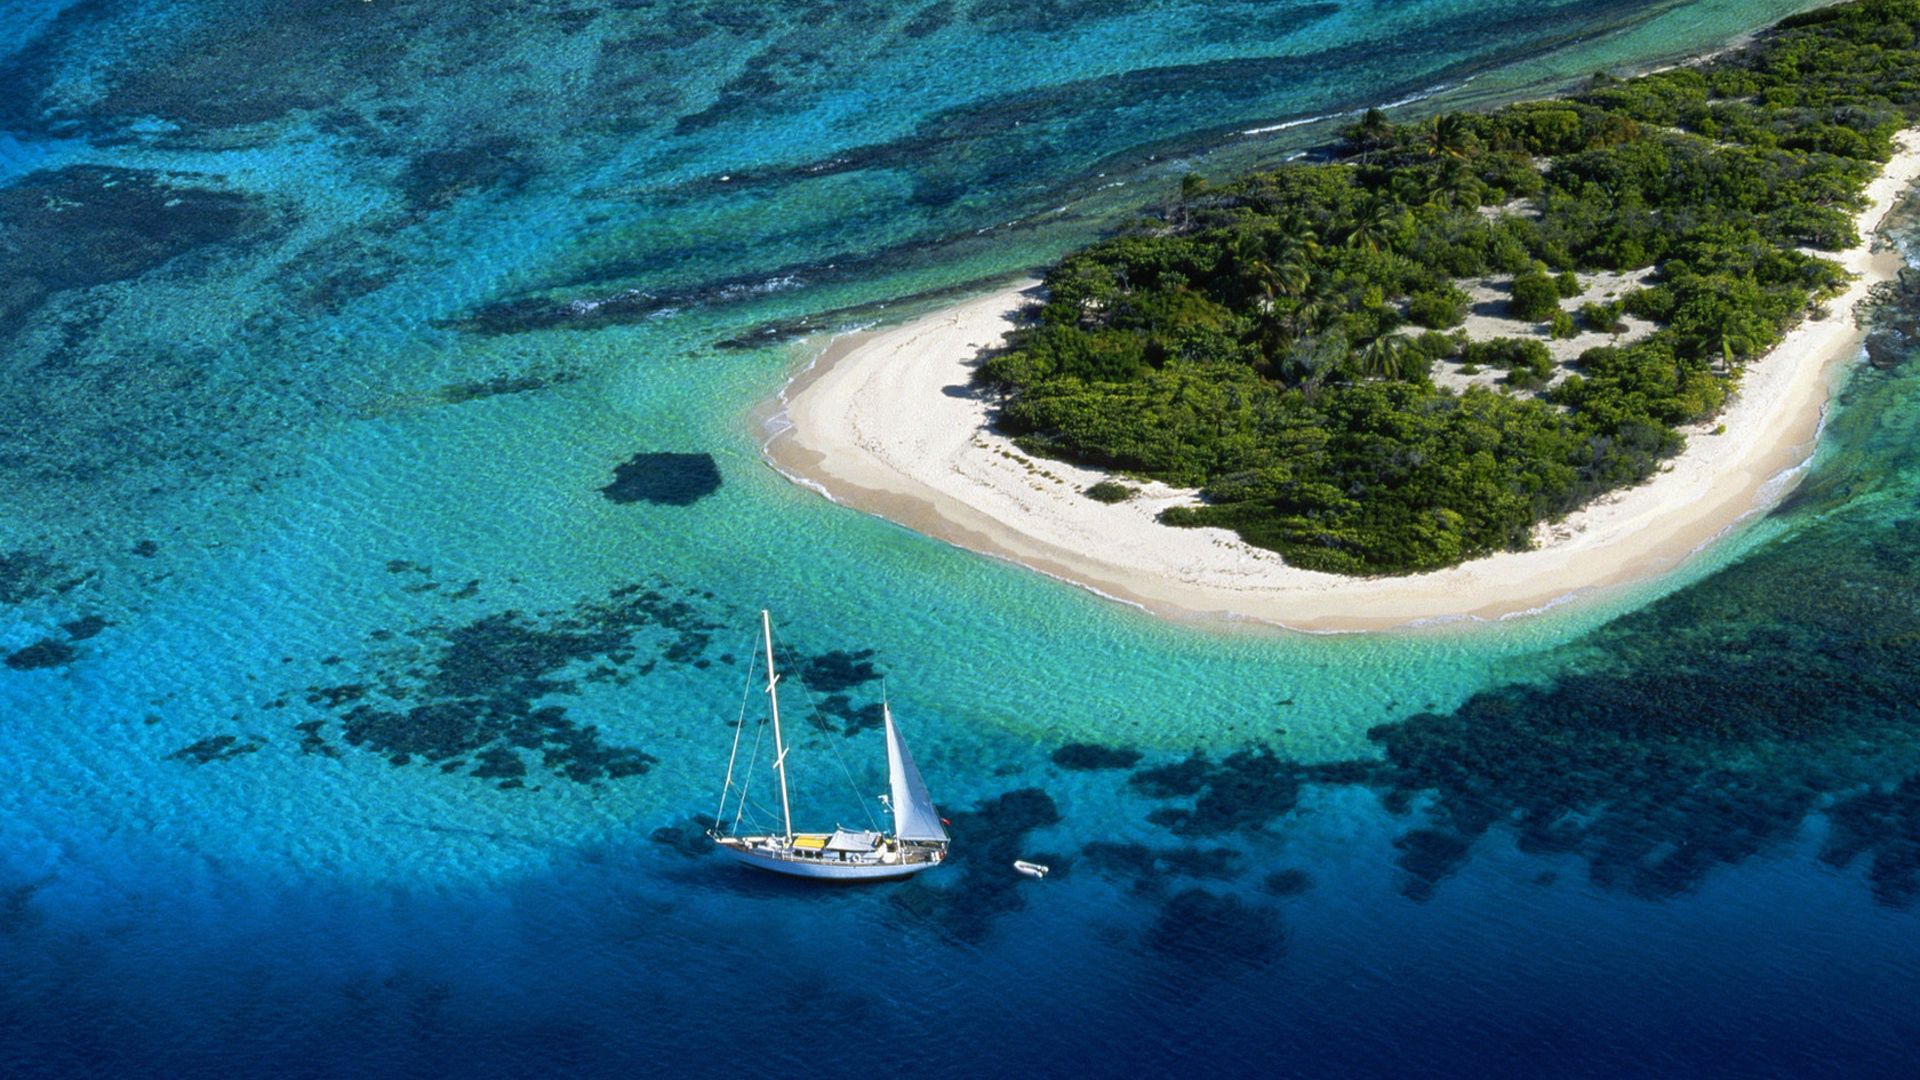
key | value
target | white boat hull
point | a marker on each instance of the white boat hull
(829, 869)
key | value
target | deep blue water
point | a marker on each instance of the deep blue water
(382, 526)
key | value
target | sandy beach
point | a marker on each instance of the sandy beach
(886, 421)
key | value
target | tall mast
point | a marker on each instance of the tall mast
(779, 747)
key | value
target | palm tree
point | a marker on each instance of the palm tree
(1292, 278)
(1408, 189)
(1286, 272)
(1382, 356)
(1246, 258)
(1448, 136)
(1371, 133)
(1374, 226)
(1308, 315)
(1297, 244)
(1297, 234)
(1455, 185)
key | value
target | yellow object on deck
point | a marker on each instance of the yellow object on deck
(809, 843)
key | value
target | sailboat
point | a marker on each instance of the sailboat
(918, 841)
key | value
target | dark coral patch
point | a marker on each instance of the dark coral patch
(1210, 931)
(1149, 867)
(84, 627)
(688, 837)
(214, 748)
(1244, 790)
(476, 693)
(225, 69)
(16, 906)
(25, 576)
(853, 718)
(837, 670)
(334, 697)
(1289, 882)
(502, 385)
(929, 19)
(1884, 826)
(1428, 856)
(438, 177)
(497, 763)
(310, 740)
(832, 674)
(45, 653)
(1172, 781)
(1115, 858)
(986, 841)
(1704, 728)
(1048, 16)
(1087, 757)
(665, 478)
(87, 225)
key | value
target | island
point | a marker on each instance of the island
(1467, 367)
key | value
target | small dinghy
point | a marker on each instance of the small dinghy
(1031, 869)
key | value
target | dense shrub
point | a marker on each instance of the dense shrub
(1435, 345)
(1438, 309)
(1536, 296)
(1509, 354)
(1602, 317)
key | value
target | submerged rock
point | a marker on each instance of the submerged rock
(84, 627)
(665, 478)
(44, 653)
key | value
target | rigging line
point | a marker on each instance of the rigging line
(755, 823)
(739, 726)
(859, 797)
(746, 783)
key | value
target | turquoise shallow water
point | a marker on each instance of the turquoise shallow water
(324, 335)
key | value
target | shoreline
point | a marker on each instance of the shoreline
(886, 421)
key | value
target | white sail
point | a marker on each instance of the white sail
(914, 817)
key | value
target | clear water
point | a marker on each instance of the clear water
(316, 431)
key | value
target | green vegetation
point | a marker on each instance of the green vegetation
(1536, 296)
(1439, 308)
(1255, 342)
(1111, 491)
(1509, 354)
(1603, 317)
